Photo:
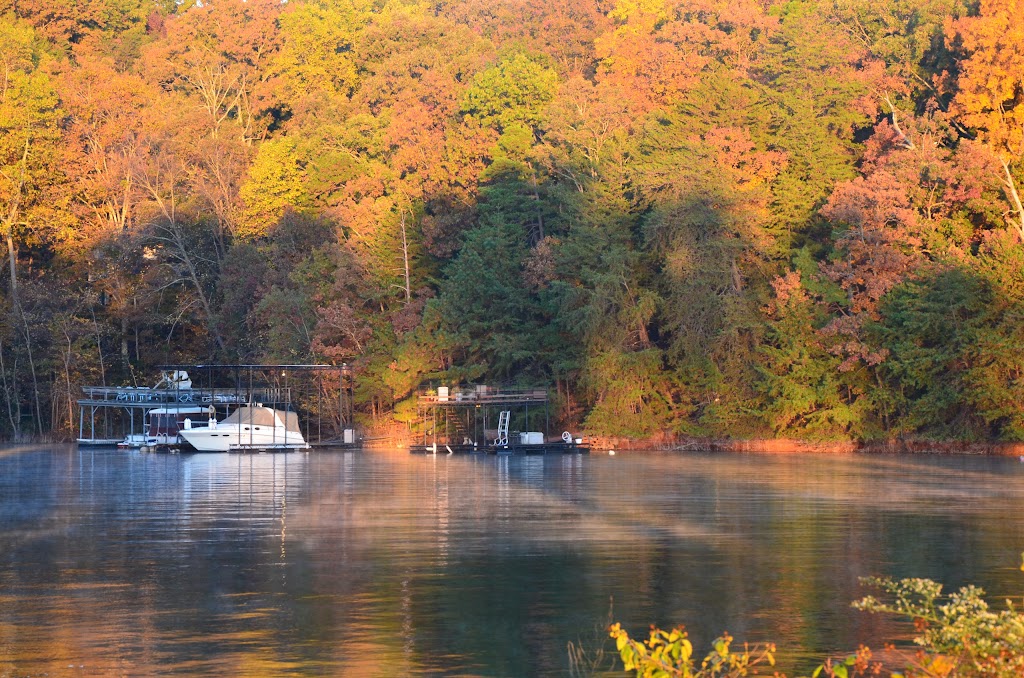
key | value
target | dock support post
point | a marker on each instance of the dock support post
(547, 420)
(341, 403)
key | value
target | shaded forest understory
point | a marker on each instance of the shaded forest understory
(724, 218)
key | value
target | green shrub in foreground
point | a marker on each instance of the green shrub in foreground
(958, 636)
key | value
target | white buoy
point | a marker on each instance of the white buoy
(611, 453)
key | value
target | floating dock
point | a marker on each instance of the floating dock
(535, 449)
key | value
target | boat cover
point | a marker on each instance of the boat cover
(261, 416)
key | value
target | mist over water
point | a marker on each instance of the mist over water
(372, 563)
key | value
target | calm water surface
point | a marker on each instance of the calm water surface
(364, 564)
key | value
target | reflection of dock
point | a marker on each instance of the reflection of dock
(457, 421)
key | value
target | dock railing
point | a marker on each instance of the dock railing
(484, 395)
(127, 396)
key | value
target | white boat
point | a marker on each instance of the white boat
(255, 428)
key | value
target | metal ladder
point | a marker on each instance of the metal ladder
(504, 417)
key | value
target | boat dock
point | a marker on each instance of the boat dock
(151, 417)
(459, 420)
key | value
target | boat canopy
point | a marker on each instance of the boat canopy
(262, 416)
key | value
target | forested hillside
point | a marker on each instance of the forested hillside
(701, 217)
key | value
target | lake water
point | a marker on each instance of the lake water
(371, 563)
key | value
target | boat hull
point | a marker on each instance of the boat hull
(226, 439)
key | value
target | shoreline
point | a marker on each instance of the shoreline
(792, 446)
(765, 446)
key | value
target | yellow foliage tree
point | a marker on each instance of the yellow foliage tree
(990, 96)
(28, 133)
(317, 51)
(276, 183)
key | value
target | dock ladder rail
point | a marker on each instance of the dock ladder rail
(503, 421)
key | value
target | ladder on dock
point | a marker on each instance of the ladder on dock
(503, 421)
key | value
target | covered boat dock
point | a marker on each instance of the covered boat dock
(320, 395)
(488, 420)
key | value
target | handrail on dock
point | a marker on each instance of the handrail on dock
(129, 396)
(485, 395)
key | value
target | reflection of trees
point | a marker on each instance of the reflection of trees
(373, 562)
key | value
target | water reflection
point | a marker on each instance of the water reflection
(387, 564)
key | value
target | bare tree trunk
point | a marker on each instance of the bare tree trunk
(1014, 197)
(536, 202)
(9, 391)
(124, 341)
(99, 346)
(405, 257)
(904, 139)
(193, 275)
(168, 206)
(9, 221)
(32, 370)
(12, 257)
(67, 378)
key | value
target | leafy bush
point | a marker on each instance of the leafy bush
(669, 654)
(958, 635)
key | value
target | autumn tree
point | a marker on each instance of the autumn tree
(704, 217)
(564, 30)
(276, 183)
(990, 87)
(317, 58)
(106, 118)
(29, 134)
(218, 54)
